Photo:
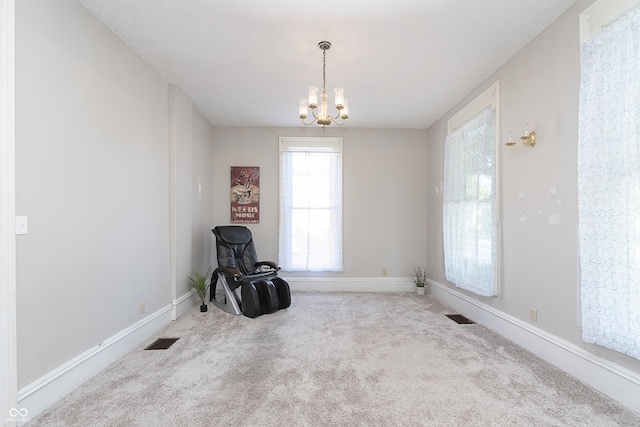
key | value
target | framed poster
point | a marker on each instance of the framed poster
(245, 194)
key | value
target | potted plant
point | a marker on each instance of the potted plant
(419, 277)
(201, 284)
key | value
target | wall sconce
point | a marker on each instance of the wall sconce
(528, 139)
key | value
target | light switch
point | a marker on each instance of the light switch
(21, 225)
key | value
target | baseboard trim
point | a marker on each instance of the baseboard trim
(605, 376)
(351, 284)
(48, 389)
(183, 304)
(613, 380)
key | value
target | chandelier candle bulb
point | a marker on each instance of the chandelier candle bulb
(339, 91)
(322, 111)
(511, 143)
(344, 113)
(313, 97)
(302, 109)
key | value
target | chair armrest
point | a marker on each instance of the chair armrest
(228, 271)
(229, 275)
(270, 264)
(238, 277)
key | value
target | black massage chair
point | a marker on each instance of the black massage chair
(249, 287)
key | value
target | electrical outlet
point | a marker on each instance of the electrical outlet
(141, 307)
(384, 271)
(21, 225)
(533, 314)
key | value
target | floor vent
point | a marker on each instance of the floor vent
(460, 319)
(162, 343)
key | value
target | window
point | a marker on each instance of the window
(470, 199)
(609, 176)
(310, 204)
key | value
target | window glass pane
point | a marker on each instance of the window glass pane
(608, 187)
(470, 205)
(310, 208)
(300, 238)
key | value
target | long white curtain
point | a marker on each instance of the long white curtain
(609, 186)
(470, 209)
(310, 211)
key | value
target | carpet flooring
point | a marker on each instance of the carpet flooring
(334, 359)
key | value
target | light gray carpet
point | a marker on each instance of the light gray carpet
(342, 359)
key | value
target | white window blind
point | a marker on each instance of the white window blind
(310, 204)
(470, 202)
(609, 184)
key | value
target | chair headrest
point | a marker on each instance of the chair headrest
(233, 234)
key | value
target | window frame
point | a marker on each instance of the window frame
(313, 144)
(599, 15)
(490, 97)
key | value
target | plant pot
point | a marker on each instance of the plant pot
(420, 290)
(203, 308)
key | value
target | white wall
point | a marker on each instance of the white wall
(539, 259)
(384, 209)
(93, 177)
(181, 183)
(203, 248)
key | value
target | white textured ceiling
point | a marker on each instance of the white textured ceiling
(403, 63)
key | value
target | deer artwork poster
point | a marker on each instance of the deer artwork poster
(245, 194)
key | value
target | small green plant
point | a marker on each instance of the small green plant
(419, 276)
(200, 283)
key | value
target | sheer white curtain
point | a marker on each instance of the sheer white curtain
(310, 211)
(609, 186)
(470, 205)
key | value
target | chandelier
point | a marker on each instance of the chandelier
(322, 116)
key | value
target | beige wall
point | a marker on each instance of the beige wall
(384, 208)
(180, 185)
(92, 176)
(203, 249)
(539, 259)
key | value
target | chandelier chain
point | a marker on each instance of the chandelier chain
(324, 73)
